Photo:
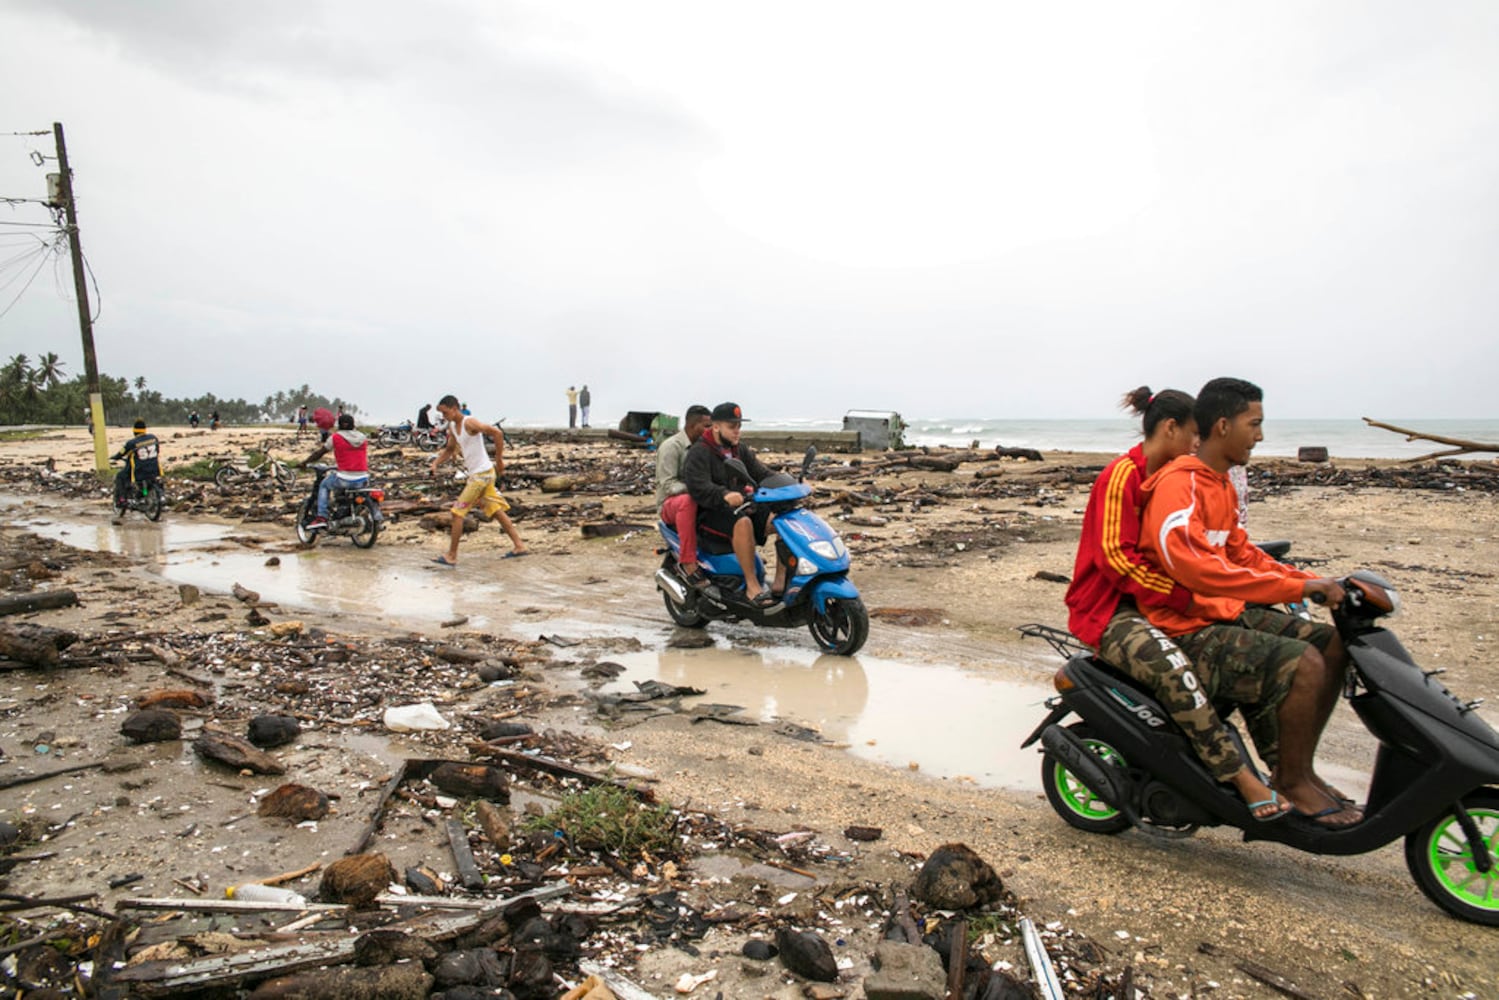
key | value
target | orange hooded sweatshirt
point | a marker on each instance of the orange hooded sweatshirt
(1191, 532)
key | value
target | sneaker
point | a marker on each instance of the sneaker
(317, 522)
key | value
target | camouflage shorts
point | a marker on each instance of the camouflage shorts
(1148, 655)
(1251, 662)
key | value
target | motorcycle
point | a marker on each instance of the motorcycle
(429, 438)
(818, 592)
(1435, 780)
(394, 434)
(146, 497)
(354, 512)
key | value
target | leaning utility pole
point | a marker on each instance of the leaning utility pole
(85, 318)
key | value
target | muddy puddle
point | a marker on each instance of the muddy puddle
(946, 721)
(393, 583)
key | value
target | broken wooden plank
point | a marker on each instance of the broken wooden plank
(379, 811)
(621, 987)
(166, 977)
(463, 856)
(11, 781)
(557, 767)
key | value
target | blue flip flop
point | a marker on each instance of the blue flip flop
(512, 554)
(1273, 800)
(443, 561)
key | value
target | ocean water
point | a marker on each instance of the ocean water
(1341, 438)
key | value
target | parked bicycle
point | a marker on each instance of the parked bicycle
(238, 473)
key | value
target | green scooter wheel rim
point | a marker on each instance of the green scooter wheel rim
(1451, 860)
(1078, 796)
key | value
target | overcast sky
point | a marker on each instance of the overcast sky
(949, 209)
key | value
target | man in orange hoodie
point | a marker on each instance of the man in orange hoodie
(1284, 672)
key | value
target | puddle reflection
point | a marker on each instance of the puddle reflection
(951, 722)
(334, 577)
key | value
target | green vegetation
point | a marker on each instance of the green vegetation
(608, 818)
(201, 470)
(37, 393)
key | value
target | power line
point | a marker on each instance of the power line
(42, 259)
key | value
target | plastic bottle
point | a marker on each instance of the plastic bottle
(254, 892)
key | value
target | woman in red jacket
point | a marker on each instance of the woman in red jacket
(1111, 579)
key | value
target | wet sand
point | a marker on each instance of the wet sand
(922, 725)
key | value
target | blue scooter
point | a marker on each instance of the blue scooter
(818, 592)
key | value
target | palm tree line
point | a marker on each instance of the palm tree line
(40, 393)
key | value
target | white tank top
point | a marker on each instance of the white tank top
(471, 446)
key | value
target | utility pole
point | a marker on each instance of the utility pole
(85, 317)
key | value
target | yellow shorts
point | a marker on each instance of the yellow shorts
(479, 492)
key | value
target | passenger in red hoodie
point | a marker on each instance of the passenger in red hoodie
(1111, 581)
(1283, 672)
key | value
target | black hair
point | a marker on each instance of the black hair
(1224, 398)
(1154, 407)
(448, 400)
(696, 410)
(346, 421)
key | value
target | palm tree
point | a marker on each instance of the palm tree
(50, 368)
(140, 383)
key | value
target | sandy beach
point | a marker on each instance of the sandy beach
(920, 730)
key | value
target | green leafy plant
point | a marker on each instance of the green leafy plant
(608, 818)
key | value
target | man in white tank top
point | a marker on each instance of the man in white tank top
(466, 439)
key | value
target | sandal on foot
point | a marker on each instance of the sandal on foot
(1273, 800)
(443, 561)
(1321, 816)
(764, 599)
(515, 555)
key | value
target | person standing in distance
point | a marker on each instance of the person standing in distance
(585, 399)
(466, 440)
(572, 407)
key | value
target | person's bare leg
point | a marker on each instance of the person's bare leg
(1336, 658)
(783, 571)
(509, 527)
(744, 553)
(457, 536)
(1300, 729)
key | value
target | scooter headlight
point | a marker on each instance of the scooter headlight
(826, 549)
(806, 567)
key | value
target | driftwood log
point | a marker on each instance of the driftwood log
(38, 600)
(34, 645)
(1459, 446)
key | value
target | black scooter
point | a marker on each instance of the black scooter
(1434, 781)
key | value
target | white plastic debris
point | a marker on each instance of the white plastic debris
(412, 718)
(688, 982)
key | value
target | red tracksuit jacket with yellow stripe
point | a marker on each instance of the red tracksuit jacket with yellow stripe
(1109, 561)
(1192, 532)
